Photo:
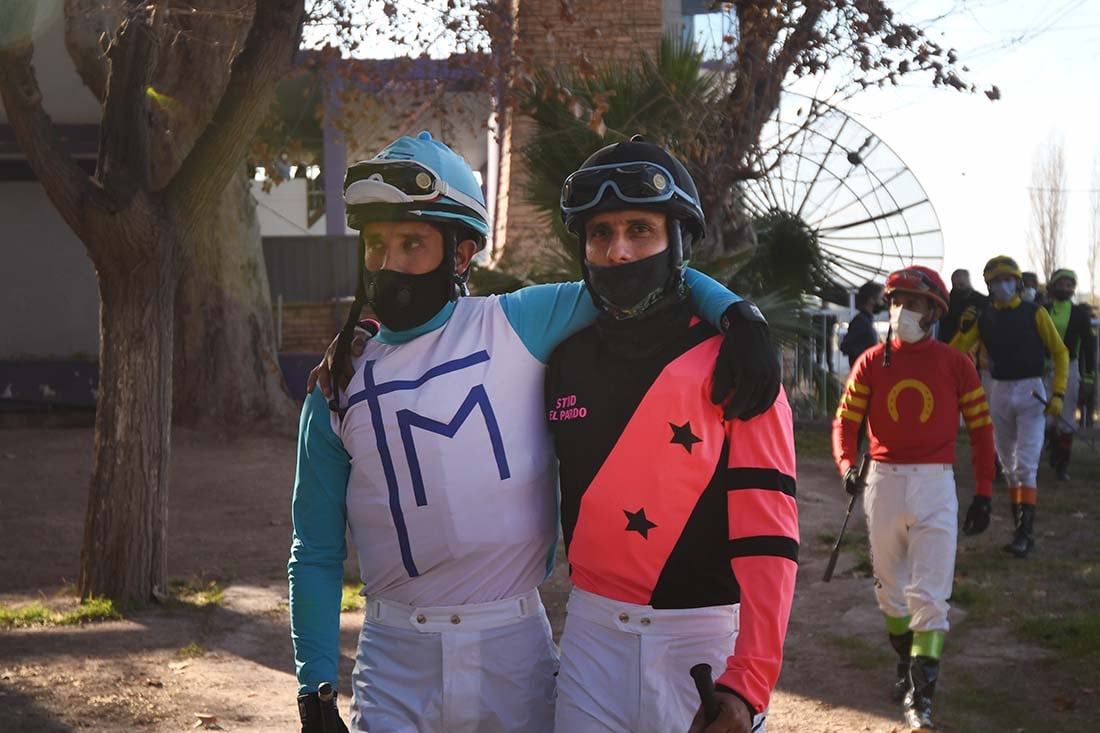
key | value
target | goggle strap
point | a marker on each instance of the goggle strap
(360, 214)
(455, 195)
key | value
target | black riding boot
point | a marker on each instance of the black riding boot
(902, 644)
(1017, 514)
(923, 672)
(1024, 539)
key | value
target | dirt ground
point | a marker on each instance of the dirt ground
(229, 521)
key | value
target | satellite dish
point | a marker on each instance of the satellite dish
(867, 208)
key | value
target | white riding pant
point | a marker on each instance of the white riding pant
(1069, 406)
(1018, 427)
(626, 667)
(474, 668)
(912, 516)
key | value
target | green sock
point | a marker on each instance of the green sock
(897, 625)
(928, 644)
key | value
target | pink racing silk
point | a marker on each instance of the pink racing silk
(639, 473)
(686, 510)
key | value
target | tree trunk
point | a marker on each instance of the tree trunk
(123, 556)
(226, 369)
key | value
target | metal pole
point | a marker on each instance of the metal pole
(822, 358)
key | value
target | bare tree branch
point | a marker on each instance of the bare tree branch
(67, 186)
(88, 27)
(772, 86)
(1048, 205)
(268, 52)
(123, 166)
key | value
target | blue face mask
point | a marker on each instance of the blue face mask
(1002, 291)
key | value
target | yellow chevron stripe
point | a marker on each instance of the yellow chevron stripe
(854, 386)
(980, 422)
(849, 415)
(855, 401)
(975, 409)
(979, 392)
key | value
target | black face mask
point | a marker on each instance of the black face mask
(403, 301)
(1060, 294)
(625, 291)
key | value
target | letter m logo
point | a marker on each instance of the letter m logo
(407, 420)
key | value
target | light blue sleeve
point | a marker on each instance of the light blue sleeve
(318, 549)
(708, 298)
(545, 315)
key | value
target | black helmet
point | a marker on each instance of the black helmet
(633, 175)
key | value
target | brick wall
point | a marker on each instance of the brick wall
(626, 28)
(308, 328)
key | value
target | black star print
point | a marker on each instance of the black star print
(682, 435)
(636, 522)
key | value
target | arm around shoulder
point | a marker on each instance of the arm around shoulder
(545, 315)
(708, 298)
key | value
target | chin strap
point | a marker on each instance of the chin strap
(676, 244)
(347, 333)
(459, 288)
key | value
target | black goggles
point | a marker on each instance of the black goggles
(401, 182)
(416, 181)
(633, 183)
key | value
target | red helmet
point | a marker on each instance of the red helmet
(919, 280)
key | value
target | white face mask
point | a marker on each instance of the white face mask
(1027, 295)
(1002, 290)
(906, 324)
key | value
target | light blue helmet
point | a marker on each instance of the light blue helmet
(416, 179)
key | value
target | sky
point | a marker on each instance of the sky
(975, 157)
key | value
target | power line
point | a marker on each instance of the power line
(1063, 190)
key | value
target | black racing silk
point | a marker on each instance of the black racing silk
(1011, 335)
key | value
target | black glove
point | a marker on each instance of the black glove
(319, 712)
(852, 484)
(977, 516)
(747, 364)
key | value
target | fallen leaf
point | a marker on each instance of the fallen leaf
(206, 721)
(178, 666)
